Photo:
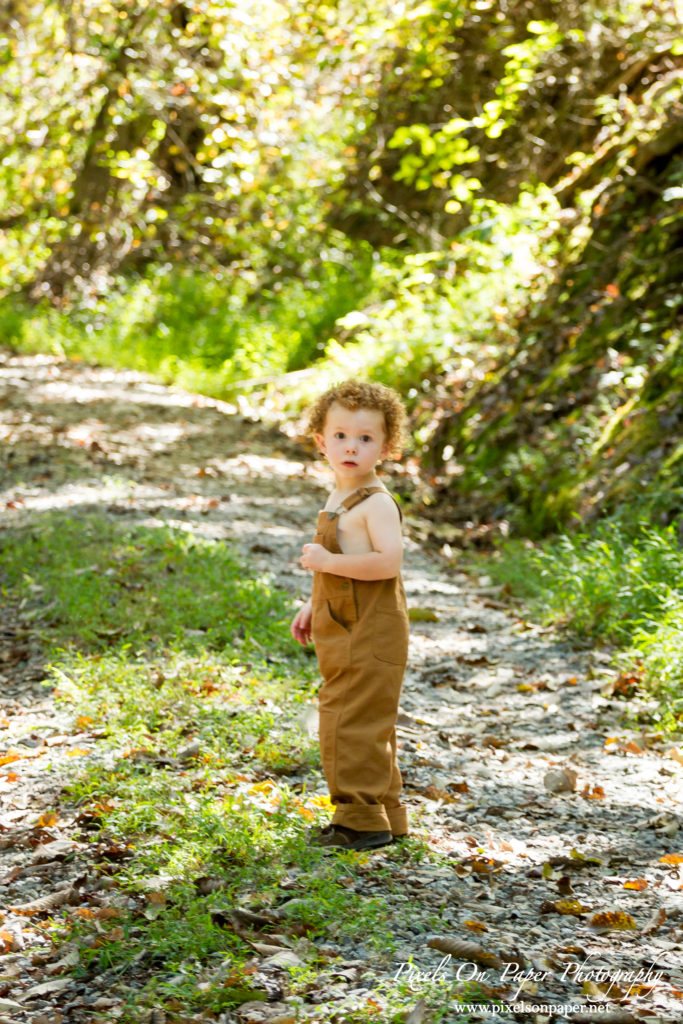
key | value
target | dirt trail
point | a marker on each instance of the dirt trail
(516, 763)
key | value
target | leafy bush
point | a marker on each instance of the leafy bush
(621, 583)
(608, 584)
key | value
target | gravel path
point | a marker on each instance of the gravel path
(557, 825)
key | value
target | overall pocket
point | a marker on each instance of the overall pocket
(390, 637)
(332, 641)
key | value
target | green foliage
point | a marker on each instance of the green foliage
(103, 581)
(657, 651)
(607, 584)
(197, 711)
(206, 332)
(620, 583)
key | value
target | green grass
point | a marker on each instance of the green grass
(101, 583)
(620, 584)
(193, 779)
(203, 331)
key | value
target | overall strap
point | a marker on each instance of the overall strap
(364, 492)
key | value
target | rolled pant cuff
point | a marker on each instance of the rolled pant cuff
(361, 818)
(398, 820)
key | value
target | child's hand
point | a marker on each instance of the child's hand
(314, 556)
(301, 625)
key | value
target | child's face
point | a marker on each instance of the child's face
(353, 440)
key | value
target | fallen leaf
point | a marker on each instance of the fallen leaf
(422, 615)
(613, 920)
(12, 754)
(655, 922)
(593, 792)
(464, 950)
(434, 793)
(636, 883)
(625, 685)
(7, 941)
(671, 858)
(44, 904)
(573, 907)
(115, 935)
(475, 926)
(47, 988)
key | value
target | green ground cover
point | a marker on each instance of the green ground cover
(170, 653)
(619, 583)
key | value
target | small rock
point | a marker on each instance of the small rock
(7, 1005)
(560, 780)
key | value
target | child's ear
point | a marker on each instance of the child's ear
(320, 441)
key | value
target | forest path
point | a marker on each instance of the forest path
(518, 769)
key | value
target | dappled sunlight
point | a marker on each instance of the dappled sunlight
(180, 711)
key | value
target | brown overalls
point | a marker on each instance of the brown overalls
(360, 632)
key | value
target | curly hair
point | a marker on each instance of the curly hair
(354, 395)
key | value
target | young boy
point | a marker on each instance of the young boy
(357, 615)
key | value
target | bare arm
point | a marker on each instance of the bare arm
(381, 563)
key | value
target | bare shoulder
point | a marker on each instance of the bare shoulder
(381, 504)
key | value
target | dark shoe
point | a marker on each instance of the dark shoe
(344, 838)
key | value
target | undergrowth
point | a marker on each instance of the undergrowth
(621, 583)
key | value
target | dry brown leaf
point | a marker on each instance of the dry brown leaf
(459, 787)
(464, 950)
(114, 935)
(613, 920)
(45, 903)
(434, 793)
(593, 792)
(7, 941)
(655, 922)
(475, 926)
(571, 907)
(12, 754)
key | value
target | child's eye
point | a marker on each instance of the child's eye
(366, 438)
(340, 435)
